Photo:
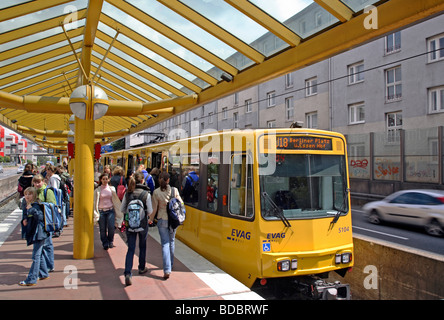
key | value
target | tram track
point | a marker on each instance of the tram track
(8, 204)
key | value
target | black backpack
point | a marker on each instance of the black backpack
(176, 211)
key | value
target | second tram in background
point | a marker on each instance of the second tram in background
(269, 207)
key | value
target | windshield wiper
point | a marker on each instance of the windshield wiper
(341, 209)
(278, 212)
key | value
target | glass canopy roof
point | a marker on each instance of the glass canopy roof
(155, 50)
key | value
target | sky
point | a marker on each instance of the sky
(217, 11)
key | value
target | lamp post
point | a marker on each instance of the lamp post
(87, 103)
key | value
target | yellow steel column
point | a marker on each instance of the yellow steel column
(83, 246)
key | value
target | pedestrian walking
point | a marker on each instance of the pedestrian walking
(161, 197)
(137, 190)
(106, 210)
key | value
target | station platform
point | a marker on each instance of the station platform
(101, 278)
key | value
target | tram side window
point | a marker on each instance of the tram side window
(190, 184)
(174, 170)
(241, 186)
(212, 186)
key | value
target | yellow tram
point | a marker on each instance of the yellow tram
(267, 203)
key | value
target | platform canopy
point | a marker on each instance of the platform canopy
(157, 59)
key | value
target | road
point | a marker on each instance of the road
(413, 237)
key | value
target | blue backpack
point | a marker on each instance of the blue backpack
(60, 202)
(52, 217)
(53, 213)
(176, 211)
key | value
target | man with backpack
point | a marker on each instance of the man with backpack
(136, 205)
(190, 187)
(149, 181)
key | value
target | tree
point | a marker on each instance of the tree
(119, 144)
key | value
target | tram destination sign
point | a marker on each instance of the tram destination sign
(303, 143)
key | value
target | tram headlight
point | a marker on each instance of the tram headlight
(286, 265)
(343, 258)
(283, 265)
(338, 258)
(346, 257)
(294, 264)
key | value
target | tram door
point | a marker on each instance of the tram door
(130, 163)
(121, 161)
(156, 160)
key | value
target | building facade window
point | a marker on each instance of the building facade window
(248, 106)
(356, 73)
(436, 48)
(236, 120)
(356, 113)
(224, 113)
(393, 42)
(318, 19)
(311, 86)
(289, 110)
(356, 150)
(271, 124)
(311, 119)
(302, 27)
(210, 117)
(289, 80)
(394, 126)
(271, 99)
(393, 78)
(436, 99)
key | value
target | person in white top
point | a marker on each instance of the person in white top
(52, 177)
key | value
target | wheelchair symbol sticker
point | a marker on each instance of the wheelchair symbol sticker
(266, 247)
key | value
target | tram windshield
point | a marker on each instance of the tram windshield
(304, 186)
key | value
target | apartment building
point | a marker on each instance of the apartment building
(392, 83)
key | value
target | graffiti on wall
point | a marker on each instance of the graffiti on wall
(422, 169)
(417, 169)
(359, 168)
(387, 168)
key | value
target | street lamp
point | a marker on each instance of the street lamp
(88, 102)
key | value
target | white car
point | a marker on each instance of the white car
(20, 169)
(414, 207)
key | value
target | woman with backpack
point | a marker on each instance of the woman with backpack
(161, 197)
(118, 181)
(137, 190)
(106, 210)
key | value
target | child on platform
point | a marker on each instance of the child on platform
(35, 235)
